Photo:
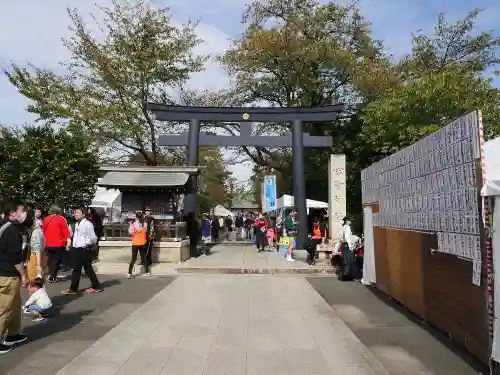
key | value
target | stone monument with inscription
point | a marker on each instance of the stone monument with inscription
(336, 195)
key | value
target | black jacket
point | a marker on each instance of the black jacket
(11, 250)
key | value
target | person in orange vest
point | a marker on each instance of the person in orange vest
(318, 237)
(137, 230)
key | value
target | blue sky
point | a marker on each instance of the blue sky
(31, 30)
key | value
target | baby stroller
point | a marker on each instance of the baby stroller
(349, 264)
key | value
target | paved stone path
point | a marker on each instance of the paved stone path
(76, 322)
(396, 337)
(231, 258)
(222, 324)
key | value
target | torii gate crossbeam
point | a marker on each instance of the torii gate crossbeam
(297, 140)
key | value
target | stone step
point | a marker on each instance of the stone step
(104, 267)
(313, 270)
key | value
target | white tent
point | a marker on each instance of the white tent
(221, 211)
(289, 201)
(492, 160)
(110, 201)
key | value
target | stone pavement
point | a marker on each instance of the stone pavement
(222, 324)
(76, 322)
(232, 258)
(402, 343)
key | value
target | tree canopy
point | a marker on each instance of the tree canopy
(133, 56)
(43, 166)
(291, 53)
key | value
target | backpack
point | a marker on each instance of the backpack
(4, 227)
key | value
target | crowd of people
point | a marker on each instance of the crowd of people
(261, 229)
(33, 248)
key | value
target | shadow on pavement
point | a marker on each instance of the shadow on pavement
(431, 329)
(55, 325)
(401, 341)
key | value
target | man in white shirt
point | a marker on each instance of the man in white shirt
(84, 238)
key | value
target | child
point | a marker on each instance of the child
(39, 302)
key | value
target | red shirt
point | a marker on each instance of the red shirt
(55, 230)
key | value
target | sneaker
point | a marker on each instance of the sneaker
(5, 349)
(93, 290)
(68, 292)
(129, 275)
(147, 274)
(38, 319)
(290, 259)
(15, 339)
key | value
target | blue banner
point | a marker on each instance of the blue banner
(270, 193)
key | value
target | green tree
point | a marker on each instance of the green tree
(213, 181)
(443, 78)
(310, 54)
(44, 166)
(105, 87)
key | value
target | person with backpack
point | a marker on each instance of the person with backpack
(56, 232)
(12, 276)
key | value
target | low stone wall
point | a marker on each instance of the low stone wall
(163, 251)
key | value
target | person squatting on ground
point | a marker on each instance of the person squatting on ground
(12, 276)
(84, 239)
(39, 302)
(57, 235)
(318, 238)
(137, 230)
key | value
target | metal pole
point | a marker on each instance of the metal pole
(299, 183)
(190, 199)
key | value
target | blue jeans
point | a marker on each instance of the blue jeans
(35, 308)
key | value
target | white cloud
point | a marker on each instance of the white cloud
(32, 31)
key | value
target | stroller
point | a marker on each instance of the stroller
(348, 264)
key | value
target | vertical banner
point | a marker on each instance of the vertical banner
(262, 197)
(270, 192)
(336, 195)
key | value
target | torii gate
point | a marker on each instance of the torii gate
(297, 140)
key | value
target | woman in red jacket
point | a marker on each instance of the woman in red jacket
(56, 232)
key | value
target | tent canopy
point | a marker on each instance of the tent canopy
(221, 211)
(106, 198)
(289, 201)
(492, 160)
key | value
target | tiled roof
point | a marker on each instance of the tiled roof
(143, 179)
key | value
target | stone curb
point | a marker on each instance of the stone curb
(261, 271)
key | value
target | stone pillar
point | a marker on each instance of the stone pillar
(299, 183)
(336, 195)
(190, 199)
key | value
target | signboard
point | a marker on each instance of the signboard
(336, 194)
(270, 193)
(263, 197)
(433, 186)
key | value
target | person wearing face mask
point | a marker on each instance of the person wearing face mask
(84, 238)
(12, 276)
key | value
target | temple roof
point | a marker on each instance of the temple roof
(117, 177)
